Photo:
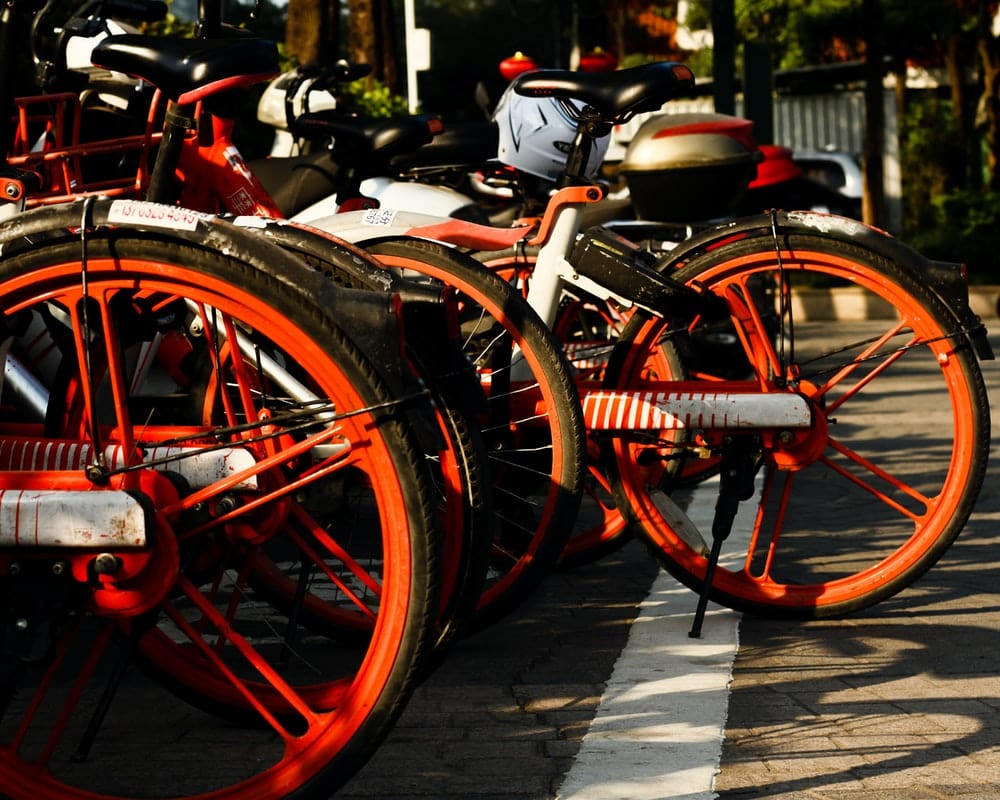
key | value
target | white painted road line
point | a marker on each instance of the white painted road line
(658, 731)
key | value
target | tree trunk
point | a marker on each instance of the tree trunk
(954, 59)
(312, 30)
(371, 39)
(361, 40)
(989, 104)
(724, 56)
(616, 23)
(388, 56)
(873, 199)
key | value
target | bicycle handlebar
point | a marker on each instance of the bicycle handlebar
(210, 17)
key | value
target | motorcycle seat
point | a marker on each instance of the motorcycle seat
(371, 145)
(615, 96)
(460, 143)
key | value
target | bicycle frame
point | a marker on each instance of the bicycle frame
(672, 405)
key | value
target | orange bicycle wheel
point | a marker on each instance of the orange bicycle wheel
(307, 455)
(857, 507)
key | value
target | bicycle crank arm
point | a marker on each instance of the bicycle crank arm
(32, 518)
(717, 411)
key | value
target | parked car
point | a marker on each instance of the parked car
(838, 170)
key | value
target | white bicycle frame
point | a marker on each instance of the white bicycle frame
(653, 408)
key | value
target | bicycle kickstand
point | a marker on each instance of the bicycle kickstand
(740, 462)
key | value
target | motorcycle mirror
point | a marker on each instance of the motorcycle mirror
(482, 98)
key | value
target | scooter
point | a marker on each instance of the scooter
(438, 172)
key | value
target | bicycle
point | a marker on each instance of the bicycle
(769, 254)
(756, 267)
(535, 460)
(189, 408)
(142, 513)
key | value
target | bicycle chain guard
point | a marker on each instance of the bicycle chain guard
(625, 268)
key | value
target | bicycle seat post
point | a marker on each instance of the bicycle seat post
(590, 127)
(162, 182)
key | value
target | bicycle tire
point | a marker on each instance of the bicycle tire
(588, 329)
(537, 481)
(330, 714)
(858, 464)
(455, 450)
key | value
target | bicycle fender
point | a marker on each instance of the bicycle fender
(945, 279)
(378, 223)
(371, 319)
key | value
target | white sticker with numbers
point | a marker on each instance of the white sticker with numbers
(379, 216)
(155, 214)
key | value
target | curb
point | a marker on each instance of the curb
(853, 304)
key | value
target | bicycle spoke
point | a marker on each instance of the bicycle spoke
(876, 471)
(348, 562)
(770, 541)
(245, 649)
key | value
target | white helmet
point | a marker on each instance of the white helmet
(536, 134)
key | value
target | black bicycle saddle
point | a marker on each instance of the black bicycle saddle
(188, 70)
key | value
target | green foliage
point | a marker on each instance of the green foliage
(964, 226)
(799, 31)
(371, 99)
(806, 32)
(929, 149)
(170, 25)
(941, 218)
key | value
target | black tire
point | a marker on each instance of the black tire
(536, 463)
(453, 443)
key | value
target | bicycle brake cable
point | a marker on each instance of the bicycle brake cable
(784, 307)
(98, 470)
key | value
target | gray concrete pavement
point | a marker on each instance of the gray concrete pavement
(897, 702)
(504, 715)
(900, 702)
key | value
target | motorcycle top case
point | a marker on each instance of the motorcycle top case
(690, 167)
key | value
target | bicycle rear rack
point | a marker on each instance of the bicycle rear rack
(47, 142)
